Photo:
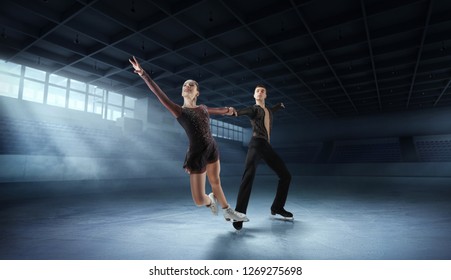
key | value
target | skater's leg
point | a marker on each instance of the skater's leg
(197, 182)
(276, 163)
(250, 168)
(213, 170)
(247, 180)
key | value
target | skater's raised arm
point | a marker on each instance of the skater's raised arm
(175, 109)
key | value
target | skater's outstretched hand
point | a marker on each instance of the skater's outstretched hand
(136, 66)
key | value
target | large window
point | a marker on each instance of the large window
(18, 81)
(56, 96)
(58, 80)
(9, 86)
(77, 95)
(34, 74)
(57, 91)
(115, 105)
(34, 85)
(33, 91)
(226, 130)
(129, 107)
(96, 100)
(77, 100)
(10, 79)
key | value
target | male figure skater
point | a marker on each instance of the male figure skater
(261, 118)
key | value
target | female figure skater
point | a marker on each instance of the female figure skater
(202, 157)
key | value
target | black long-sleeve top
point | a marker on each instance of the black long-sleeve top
(257, 117)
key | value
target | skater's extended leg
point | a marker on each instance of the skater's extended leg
(213, 170)
(197, 182)
(247, 180)
(276, 163)
(198, 192)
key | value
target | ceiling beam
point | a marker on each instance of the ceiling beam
(420, 51)
(442, 93)
(318, 45)
(263, 43)
(370, 49)
(75, 10)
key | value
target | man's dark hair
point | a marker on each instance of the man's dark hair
(261, 85)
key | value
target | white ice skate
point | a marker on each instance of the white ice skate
(234, 216)
(214, 204)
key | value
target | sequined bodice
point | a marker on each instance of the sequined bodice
(196, 122)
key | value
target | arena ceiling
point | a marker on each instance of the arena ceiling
(324, 59)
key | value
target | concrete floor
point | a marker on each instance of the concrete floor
(336, 218)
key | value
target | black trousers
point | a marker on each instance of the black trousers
(259, 149)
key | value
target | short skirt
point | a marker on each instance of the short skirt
(196, 160)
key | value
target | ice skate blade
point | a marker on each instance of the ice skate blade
(231, 220)
(282, 218)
